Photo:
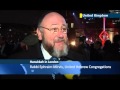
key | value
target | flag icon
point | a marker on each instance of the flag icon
(80, 15)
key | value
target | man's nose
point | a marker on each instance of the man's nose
(60, 34)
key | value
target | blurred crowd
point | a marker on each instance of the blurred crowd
(94, 51)
(98, 52)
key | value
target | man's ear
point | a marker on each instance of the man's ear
(39, 34)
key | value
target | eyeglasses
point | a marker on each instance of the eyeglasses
(64, 29)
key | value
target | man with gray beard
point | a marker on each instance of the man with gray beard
(52, 32)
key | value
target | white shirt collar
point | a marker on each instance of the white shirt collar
(46, 55)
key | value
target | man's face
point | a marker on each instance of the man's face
(55, 40)
(55, 45)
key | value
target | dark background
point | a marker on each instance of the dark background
(26, 17)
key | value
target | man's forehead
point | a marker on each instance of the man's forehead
(54, 18)
(52, 15)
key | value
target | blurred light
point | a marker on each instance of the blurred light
(25, 33)
(73, 43)
(91, 40)
(73, 13)
(10, 30)
(113, 23)
(86, 39)
(111, 35)
(72, 25)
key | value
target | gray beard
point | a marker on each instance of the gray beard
(55, 52)
(60, 53)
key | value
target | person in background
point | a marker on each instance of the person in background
(116, 47)
(96, 53)
(5, 48)
(83, 48)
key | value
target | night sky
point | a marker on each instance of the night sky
(27, 17)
